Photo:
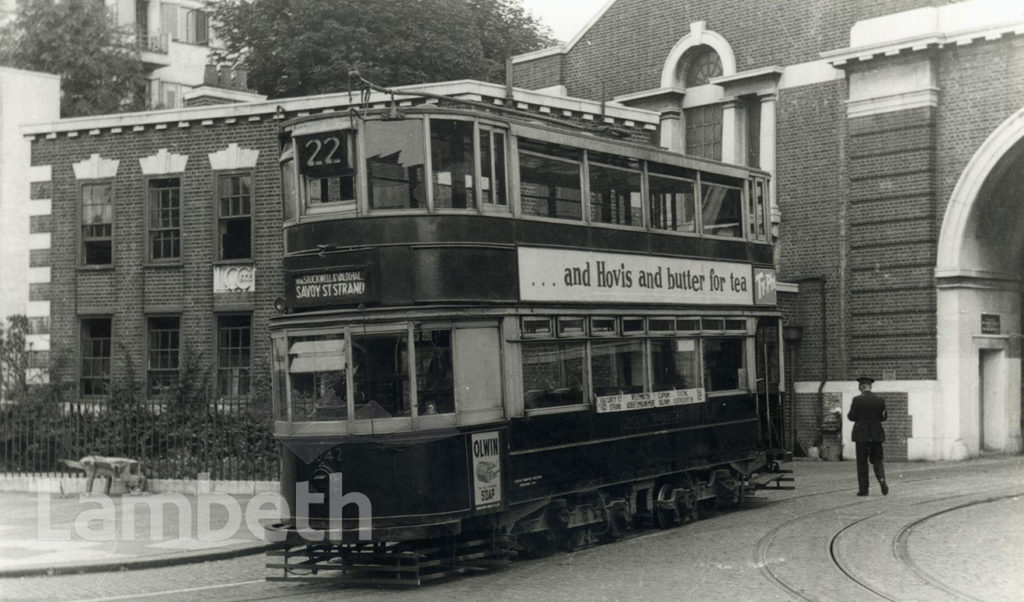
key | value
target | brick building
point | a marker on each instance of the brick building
(893, 129)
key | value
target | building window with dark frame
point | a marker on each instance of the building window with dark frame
(234, 218)
(164, 345)
(703, 124)
(197, 27)
(95, 355)
(234, 355)
(704, 132)
(752, 111)
(97, 223)
(164, 219)
(702, 64)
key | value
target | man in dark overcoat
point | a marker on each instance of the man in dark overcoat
(867, 413)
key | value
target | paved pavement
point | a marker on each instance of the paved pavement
(44, 533)
(946, 531)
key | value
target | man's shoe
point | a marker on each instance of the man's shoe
(885, 488)
(862, 493)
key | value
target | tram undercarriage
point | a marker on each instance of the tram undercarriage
(533, 529)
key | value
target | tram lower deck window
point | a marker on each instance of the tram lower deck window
(380, 376)
(435, 388)
(316, 376)
(617, 367)
(675, 364)
(553, 374)
(724, 368)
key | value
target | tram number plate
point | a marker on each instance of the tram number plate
(486, 452)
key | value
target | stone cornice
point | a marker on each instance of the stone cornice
(916, 30)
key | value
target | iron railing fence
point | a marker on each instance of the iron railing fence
(229, 439)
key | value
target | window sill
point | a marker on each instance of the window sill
(246, 261)
(557, 409)
(729, 393)
(164, 265)
(96, 268)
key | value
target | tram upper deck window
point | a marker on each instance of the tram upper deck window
(549, 180)
(553, 373)
(675, 364)
(493, 179)
(758, 210)
(316, 377)
(327, 167)
(671, 200)
(721, 210)
(615, 190)
(451, 155)
(289, 198)
(395, 164)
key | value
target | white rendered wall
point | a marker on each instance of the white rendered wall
(25, 97)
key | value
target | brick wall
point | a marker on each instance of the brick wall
(131, 290)
(626, 49)
(540, 73)
(892, 244)
(810, 129)
(980, 85)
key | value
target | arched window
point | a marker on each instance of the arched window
(703, 65)
(703, 124)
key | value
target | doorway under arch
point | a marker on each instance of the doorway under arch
(979, 271)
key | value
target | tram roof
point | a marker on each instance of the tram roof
(542, 103)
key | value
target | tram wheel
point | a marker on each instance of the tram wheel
(665, 518)
(618, 522)
(539, 544)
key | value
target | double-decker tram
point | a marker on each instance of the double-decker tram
(502, 334)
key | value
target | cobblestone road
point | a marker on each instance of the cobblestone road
(946, 531)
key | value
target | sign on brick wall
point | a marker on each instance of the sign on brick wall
(234, 279)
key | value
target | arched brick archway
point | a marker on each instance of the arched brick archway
(978, 277)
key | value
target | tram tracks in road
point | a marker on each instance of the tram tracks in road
(836, 560)
(901, 545)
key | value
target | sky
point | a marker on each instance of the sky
(565, 17)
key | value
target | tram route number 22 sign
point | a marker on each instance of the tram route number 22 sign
(486, 451)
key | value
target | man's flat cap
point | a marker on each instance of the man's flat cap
(865, 380)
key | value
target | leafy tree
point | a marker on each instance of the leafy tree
(13, 358)
(99, 64)
(302, 47)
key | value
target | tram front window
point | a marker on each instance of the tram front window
(327, 166)
(316, 375)
(553, 374)
(618, 367)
